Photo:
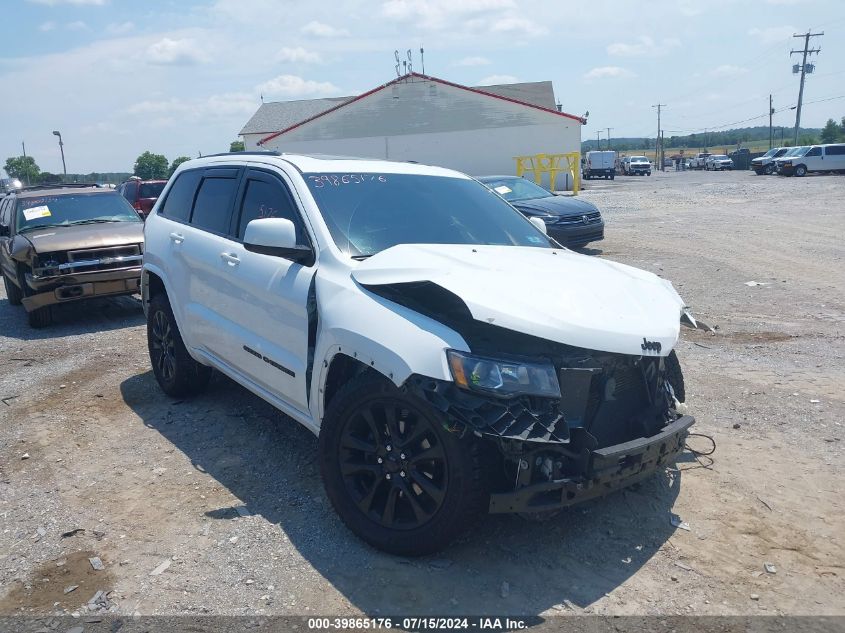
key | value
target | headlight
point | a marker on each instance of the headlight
(503, 378)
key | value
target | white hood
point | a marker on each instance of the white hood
(556, 295)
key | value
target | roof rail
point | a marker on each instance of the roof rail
(59, 185)
(246, 153)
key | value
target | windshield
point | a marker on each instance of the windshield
(720, 157)
(771, 152)
(639, 159)
(151, 189)
(795, 151)
(367, 213)
(515, 189)
(77, 208)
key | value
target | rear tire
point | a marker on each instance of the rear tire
(176, 372)
(13, 293)
(410, 500)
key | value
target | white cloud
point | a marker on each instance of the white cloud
(298, 54)
(772, 34)
(472, 61)
(53, 3)
(643, 46)
(492, 80)
(171, 52)
(120, 28)
(297, 87)
(47, 26)
(609, 72)
(728, 70)
(219, 106)
(320, 29)
(515, 25)
(435, 14)
(77, 25)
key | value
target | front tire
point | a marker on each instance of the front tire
(395, 474)
(176, 372)
(801, 171)
(675, 376)
(40, 317)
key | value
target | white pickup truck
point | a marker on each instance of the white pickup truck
(699, 161)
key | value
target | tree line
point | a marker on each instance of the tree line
(831, 133)
(148, 166)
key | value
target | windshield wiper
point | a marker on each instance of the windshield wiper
(92, 221)
(360, 257)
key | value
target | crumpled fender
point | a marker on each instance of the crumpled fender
(392, 339)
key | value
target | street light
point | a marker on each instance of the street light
(62, 150)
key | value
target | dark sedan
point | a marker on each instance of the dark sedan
(570, 220)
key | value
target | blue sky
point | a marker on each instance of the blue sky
(120, 77)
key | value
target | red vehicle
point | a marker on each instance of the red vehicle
(141, 194)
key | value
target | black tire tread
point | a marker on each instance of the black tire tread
(40, 317)
(675, 376)
(13, 293)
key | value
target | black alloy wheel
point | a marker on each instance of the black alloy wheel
(177, 373)
(162, 346)
(393, 465)
(397, 474)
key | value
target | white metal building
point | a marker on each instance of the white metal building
(424, 119)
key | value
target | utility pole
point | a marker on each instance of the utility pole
(807, 51)
(26, 176)
(598, 139)
(657, 143)
(608, 137)
(771, 112)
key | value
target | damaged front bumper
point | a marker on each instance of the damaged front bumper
(64, 288)
(608, 469)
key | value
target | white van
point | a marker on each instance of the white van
(830, 158)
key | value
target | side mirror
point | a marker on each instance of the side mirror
(4, 231)
(538, 222)
(277, 237)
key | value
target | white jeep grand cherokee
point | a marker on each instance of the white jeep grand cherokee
(451, 357)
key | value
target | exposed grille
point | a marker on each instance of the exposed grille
(591, 217)
(108, 258)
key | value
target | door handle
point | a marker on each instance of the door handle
(177, 238)
(230, 259)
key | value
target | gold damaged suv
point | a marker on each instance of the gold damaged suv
(61, 243)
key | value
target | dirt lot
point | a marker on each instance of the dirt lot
(228, 491)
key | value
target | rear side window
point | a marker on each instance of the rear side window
(268, 198)
(129, 190)
(151, 189)
(5, 215)
(177, 206)
(213, 206)
(835, 150)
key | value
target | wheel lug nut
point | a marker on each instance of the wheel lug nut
(387, 476)
(402, 456)
(402, 473)
(380, 460)
(388, 447)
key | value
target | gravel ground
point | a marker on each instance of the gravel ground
(215, 505)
